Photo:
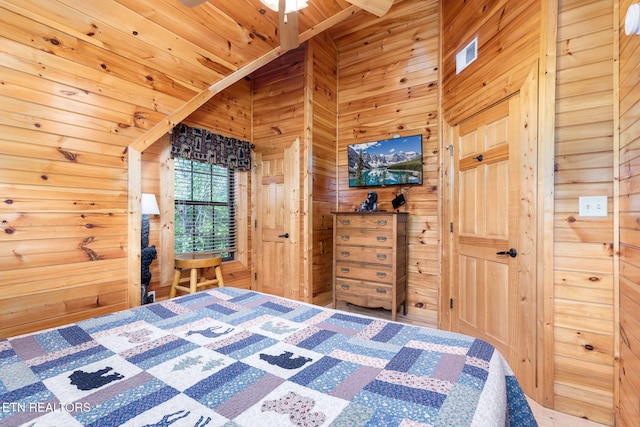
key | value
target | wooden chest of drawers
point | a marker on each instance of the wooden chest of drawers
(370, 259)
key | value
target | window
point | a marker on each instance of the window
(204, 208)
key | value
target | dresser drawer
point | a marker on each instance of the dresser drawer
(377, 273)
(368, 254)
(364, 294)
(364, 221)
(367, 237)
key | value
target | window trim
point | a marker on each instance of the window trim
(195, 171)
(243, 192)
(221, 244)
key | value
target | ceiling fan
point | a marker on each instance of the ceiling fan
(288, 15)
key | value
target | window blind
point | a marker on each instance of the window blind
(204, 208)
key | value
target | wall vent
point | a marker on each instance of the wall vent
(466, 56)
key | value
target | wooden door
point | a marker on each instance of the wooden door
(494, 258)
(276, 222)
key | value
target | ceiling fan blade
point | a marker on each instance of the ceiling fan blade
(192, 3)
(377, 7)
(289, 38)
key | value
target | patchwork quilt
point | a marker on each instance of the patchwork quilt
(232, 357)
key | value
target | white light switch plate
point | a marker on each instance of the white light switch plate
(593, 206)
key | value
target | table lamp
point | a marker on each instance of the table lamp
(149, 206)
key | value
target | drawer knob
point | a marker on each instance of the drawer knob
(381, 290)
(345, 253)
(381, 274)
(344, 237)
(345, 222)
(382, 222)
(381, 239)
(381, 257)
(344, 286)
(344, 269)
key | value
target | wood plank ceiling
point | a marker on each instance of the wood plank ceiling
(160, 52)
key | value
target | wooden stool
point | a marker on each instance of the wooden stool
(196, 279)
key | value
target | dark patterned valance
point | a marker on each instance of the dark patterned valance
(203, 146)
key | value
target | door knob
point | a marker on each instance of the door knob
(511, 252)
(285, 235)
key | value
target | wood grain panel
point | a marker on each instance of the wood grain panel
(630, 340)
(508, 33)
(584, 255)
(280, 122)
(570, 370)
(278, 103)
(320, 180)
(396, 96)
(629, 381)
(72, 290)
(68, 46)
(79, 83)
(584, 163)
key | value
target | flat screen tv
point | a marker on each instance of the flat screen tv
(396, 161)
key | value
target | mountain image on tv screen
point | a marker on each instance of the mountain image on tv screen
(396, 161)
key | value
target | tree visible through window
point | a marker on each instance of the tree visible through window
(204, 209)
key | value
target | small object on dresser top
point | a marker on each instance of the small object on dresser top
(371, 204)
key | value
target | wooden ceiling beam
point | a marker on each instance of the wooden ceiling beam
(377, 7)
(152, 135)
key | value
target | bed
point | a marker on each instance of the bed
(232, 357)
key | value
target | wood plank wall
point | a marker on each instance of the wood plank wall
(508, 34)
(278, 107)
(295, 97)
(279, 112)
(388, 85)
(64, 176)
(584, 266)
(583, 291)
(629, 373)
(320, 161)
(74, 95)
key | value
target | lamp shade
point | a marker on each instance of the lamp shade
(149, 205)
(291, 5)
(632, 20)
